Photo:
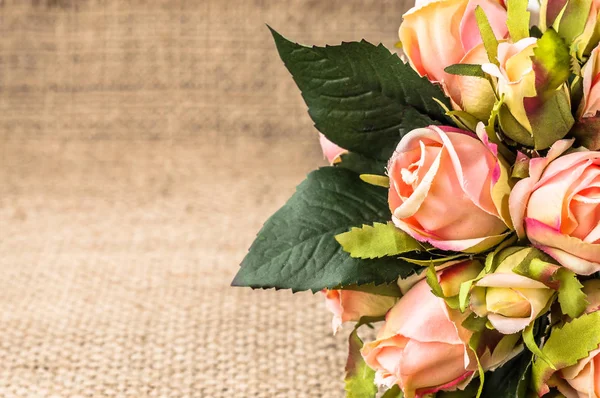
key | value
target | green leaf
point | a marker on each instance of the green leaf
(436, 288)
(566, 346)
(520, 169)
(490, 42)
(360, 379)
(551, 62)
(361, 164)
(473, 345)
(361, 96)
(466, 70)
(425, 259)
(552, 120)
(572, 22)
(296, 248)
(529, 340)
(394, 392)
(571, 298)
(377, 180)
(377, 241)
(517, 19)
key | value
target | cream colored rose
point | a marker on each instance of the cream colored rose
(516, 77)
(510, 301)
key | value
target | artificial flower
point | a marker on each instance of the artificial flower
(422, 347)
(510, 301)
(351, 305)
(558, 207)
(442, 189)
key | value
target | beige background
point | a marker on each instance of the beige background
(142, 145)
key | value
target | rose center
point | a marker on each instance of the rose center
(410, 175)
(507, 302)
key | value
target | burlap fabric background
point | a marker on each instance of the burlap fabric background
(143, 143)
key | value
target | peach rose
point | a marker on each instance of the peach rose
(449, 188)
(590, 105)
(558, 207)
(437, 34)
(419, 347)
(351, 305)
(331, 151)
(423, 347)
(510, 301)
(582, 380)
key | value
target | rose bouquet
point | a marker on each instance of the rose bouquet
(460, 213)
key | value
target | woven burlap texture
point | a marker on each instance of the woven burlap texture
(142, 145)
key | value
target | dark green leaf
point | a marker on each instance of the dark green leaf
(361, 164)
(296, 248)
(390, 290)
(361, 96)
(466, 70)
(511, 380)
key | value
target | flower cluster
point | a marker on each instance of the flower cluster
(461, 207)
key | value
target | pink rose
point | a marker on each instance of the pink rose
(590, 105)
(423, 347)
(558, 207)
(437, 34)
(351, 305)
(449, 188)
(331, 151)
(582, 380)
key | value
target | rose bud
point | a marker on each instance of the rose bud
(445, 171)
(351, 305)
(472, 94)
(510, 301)
(331, 151)
(587, 128)
(558, 207)
(590, 104)
(437, 34)
(582, 380)
(529, 96)
(576, 27)
(423, 347)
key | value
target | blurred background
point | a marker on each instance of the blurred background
(142, 146)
